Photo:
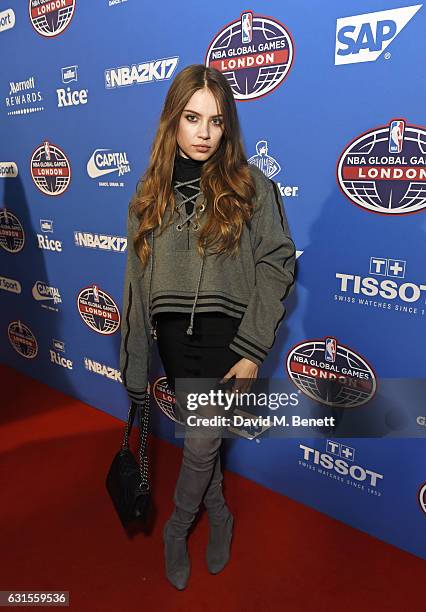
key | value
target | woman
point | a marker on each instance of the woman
(210, 259)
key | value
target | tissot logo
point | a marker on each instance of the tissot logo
(338, 464)
(386, 285)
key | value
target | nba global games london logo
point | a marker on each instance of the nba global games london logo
(50, 169)
(255, 53)
(98, 310)
(331, 373)
(51, 17)
(22, 339)
(12, 236)
(384, 169)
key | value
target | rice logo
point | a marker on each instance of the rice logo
(45, 243)
(12, 236)
(51, 17)
(384, 170)
(98, 310)
(254, 52)
(22, 339)
(422, 497)
(331, 373)
(57, 358)
(363, 38)
(66, 96)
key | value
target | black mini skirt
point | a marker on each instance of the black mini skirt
(205, 353)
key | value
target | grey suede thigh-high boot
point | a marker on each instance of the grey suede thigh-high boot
(221, 522)
(199, 456)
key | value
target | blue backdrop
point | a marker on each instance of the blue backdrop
(332, 108)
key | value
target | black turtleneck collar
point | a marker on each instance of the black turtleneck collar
(186, 169)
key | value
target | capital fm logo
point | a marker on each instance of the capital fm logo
(103, 162)
(254, 52)
(363, 38)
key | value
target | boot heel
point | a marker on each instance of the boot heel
(177, 562)
(218, 547)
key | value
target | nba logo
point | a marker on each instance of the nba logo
(107, 79)
(246, 27)
(96, 293)
(396, 136)
(330, 349)
(46, 150)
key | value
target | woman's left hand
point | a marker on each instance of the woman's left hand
(245, 371)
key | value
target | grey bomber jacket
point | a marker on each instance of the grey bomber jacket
(250, 286)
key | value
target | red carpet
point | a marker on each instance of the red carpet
(60, 531)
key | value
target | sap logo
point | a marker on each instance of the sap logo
(363, 38)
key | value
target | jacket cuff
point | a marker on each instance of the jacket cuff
(136, 395)
(247, 347)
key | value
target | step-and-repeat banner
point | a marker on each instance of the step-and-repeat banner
(332, 108)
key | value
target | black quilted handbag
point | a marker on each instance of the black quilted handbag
(127, 481)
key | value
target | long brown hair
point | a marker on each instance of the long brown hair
(225, 180)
